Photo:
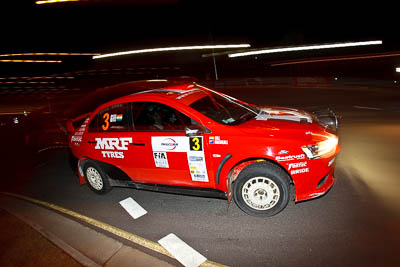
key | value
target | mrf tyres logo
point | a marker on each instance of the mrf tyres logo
(120, 143)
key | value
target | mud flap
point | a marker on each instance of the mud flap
(81, 175)
(229, 193)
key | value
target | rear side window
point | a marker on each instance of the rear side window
(115, 118)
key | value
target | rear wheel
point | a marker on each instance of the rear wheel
(96, 178)
(262, 189)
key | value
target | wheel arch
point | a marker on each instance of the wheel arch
(113, 172)
(242, 164)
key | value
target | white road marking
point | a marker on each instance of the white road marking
(133, 208)
(182, 251)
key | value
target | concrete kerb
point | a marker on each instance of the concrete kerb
(112, 257)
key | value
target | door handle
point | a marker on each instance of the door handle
(137, 144)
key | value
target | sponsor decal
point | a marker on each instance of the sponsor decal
(196, 160)
(160, 159)
(283, 152)
(116, 117)
(77, 137)
(299, 171)
(112, 154)
(297, 165)
(290, 157)
(192, 146)
(120, 143)
(197, 166)
(217, 140)
(170, 143)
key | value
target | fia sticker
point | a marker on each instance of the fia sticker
(160, 159)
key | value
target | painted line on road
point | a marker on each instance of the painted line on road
(109, 228)
(133, 208)
(361, 107)
(184, 253)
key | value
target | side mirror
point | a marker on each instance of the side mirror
(195, 130)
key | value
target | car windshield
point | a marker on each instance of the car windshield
(224, 109)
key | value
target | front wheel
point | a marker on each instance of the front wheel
(262, 189)
(96, 178)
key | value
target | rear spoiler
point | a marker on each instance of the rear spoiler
(74, 124)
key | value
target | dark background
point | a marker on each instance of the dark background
(105, 26)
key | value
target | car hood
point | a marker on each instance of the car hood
(283, 113)
(281, 122)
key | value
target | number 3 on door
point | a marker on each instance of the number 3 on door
(196, 143)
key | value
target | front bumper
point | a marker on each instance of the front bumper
(321, 187)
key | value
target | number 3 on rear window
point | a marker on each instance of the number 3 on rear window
(106, 124)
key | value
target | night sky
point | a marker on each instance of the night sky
(102, 26)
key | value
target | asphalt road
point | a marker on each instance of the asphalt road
(356, 224)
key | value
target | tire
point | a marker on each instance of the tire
(262, 189)
(96, 178)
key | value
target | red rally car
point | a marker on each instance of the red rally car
(185, 138)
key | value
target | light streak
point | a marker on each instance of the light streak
(48, 54)
(335, 59)
(29, 61)
(303, 48)
(54, 1)
(165, 49)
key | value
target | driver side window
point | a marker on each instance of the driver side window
(159, 117)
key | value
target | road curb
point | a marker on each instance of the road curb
(77, 255)
(85, 245)
(143, 242)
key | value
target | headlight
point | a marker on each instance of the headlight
(324, 148)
